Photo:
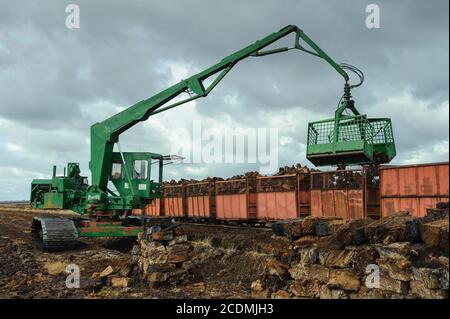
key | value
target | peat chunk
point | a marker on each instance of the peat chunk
(436, 234)
(395, 228)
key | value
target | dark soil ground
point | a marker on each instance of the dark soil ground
(26, 272)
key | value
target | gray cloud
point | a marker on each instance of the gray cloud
(56, 82)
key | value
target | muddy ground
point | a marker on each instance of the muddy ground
(26, 272)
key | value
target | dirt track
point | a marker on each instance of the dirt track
(26, 272)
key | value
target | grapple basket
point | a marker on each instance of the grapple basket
(350, 139)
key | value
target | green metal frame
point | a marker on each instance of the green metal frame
(350, 139)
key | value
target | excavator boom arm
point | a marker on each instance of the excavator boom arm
(106, 133)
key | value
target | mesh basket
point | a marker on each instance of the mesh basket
(358, 140)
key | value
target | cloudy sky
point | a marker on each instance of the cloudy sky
(55, 82)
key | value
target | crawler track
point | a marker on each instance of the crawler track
(54, 233)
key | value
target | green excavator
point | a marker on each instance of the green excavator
(345, 139)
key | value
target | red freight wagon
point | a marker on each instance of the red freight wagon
(236, 199)
(349, 194)
(413, 188)
(282, 197)
(137, 212)
(173, 200)
(200, 198)
(154, 208)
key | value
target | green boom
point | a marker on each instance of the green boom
(106, 133)
(328, 142)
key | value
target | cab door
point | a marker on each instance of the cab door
(141, 176)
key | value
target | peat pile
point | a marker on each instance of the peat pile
(237, 184)
(285, 170)
(397, 257)
(166, 259)
(162, 256)
(294, 169)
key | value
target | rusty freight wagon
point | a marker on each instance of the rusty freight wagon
(236, 199)
(349, 194)
(282, 197)
(413, 188)
(173, 200)
(154, 208)
(200, 200)
(137, 212)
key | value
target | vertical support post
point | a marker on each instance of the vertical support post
(337, 118)
(127, 173)
(365, 192)
(160, 172)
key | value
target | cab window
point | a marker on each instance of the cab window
(154, 172)
(140, 169)
(117, 171)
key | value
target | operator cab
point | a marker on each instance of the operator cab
(137, 173)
